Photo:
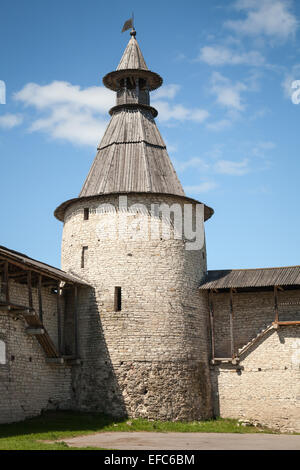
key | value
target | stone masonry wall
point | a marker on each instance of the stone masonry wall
(28, 384)
(265, 386)
(150, 359)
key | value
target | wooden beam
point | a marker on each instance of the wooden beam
(54, 360)
(40, 298)
(29, 287)
(17, 274)
(35, 331)
(6, 282)
(212, 326)
(76, 321)
(231, 316)
(58, 309)
(288, 323)
(36, 270)
(276, 304)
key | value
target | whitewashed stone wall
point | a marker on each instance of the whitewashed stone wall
(151, 358)
(28, 384)
(265, 387)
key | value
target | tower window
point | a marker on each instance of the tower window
(118, 299)
(131, 83)
(86, 213)
(2, 352)
(84, 256)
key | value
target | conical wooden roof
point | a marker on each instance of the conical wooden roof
(132, 156)
(132, 57)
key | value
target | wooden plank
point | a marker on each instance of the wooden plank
(6, 282)
(54, 360)
(231, 316)
(76, 321)
(35, 331)
(29, 287)
(212, 325)
(40, 297)
(46, 273)
(276, 304)
(59, 335)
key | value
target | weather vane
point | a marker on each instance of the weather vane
(129, 24)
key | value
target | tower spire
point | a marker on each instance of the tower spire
(132, 156)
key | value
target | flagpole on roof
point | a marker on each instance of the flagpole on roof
(129, 24)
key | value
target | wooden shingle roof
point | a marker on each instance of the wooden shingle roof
(132, 57)
(132, 157)
(43, 268)
(260, 277)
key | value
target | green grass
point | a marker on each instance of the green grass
(51, 426)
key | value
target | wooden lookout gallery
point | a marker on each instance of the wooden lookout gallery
(137, 326)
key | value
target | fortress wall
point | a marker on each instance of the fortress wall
(150, 359)
(28, 384)
(265, 387)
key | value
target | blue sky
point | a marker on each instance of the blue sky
(225, 112)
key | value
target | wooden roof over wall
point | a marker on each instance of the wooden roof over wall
(43, 268)
(260, 277)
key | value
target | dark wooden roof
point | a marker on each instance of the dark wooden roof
(43, 268)
(132, 157)
(132, 57)
(132, 63)
(260, 277)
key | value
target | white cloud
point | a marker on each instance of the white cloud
(8, 121)
(177, 112)
(271, 18)
(201, 188)
(228, 94)
(67, 112)
(227, 167)
(260, 149)
(166, 91)
(167, 112)
(194, 162)
(58, 93)
(219, 125)
(221, 55)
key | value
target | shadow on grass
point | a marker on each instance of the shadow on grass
(58, 422)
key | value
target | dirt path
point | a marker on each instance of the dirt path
(185, 441)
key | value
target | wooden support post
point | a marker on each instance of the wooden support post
(6, 282)
(59, 319)
(212, 326)
(76, 321)
(29, 287)
(40, 297)
(231, 315)
(276, 304)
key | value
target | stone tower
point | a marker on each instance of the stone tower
(142, 332)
